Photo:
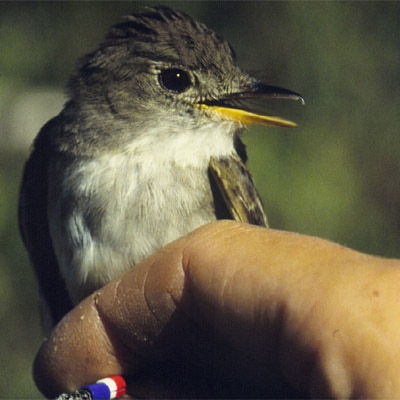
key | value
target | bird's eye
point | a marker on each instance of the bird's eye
(174, 80)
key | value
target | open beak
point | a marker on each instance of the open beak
(228, 108)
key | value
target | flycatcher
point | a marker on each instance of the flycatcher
(146, 149)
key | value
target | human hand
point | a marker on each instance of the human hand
(234, 310)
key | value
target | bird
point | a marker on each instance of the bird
(146, 149)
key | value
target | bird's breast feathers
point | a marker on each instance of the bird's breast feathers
(110, 212)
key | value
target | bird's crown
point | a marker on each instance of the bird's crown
(165, 34)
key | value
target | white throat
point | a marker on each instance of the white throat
(186, 147)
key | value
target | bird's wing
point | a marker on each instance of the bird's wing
(33, 223)
(236, 190)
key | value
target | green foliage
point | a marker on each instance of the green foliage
(336, 176)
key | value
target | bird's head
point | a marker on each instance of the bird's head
(163, 68)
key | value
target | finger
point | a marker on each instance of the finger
(320, 304)
(271, 296)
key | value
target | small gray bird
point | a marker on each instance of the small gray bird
(146, 150)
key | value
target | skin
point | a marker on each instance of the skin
(235, 310)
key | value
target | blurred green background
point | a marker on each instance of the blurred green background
(336, 176)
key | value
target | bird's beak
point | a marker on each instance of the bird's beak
(227, 105)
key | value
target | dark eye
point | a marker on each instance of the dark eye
(175, 80)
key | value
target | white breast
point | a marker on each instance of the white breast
(109, 213)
